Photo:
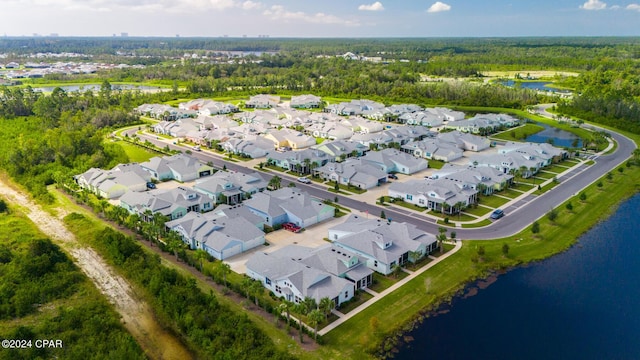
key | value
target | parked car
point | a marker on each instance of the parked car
(196, 148)
(392, 176)
(151, 185)
(304, 180)
(497, 214)
(291, 227)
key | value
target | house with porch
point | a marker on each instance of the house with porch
(290, 138)
(395, 161)
(341, 149)
(465, 141)
(484, 179)
(546, 153)
(382, 244)
(262, 101)
(230, 187)
(111, 184)
(353, 172)
(439, 195)
(252, 146)
(294, 281)
(173, 203)
(305, 102)
(433, 149)
(303, 161)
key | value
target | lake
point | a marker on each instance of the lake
(534, 85)
(581, 304)
(560, 138)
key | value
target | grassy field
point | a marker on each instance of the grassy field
(493, 201)
(136, 153)
(519, 133)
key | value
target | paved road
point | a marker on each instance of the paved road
(509, 225)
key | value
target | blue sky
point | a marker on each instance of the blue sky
(321, 18)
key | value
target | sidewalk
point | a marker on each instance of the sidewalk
(392, 288)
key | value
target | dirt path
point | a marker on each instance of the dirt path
(136, 315)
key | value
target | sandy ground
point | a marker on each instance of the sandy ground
(136, 316)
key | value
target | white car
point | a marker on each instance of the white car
(304, 180)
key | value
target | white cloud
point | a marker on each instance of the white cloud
(252, 5)
(438, 7)
(376, 6)
(594, 5)
(635, 7)
(278, 12)
(173, 6)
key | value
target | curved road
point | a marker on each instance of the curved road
(514, 222)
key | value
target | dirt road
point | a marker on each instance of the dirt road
(136, 315)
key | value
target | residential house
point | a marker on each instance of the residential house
(289, 205)
(382, 244)
(546, 153)
(290, 138)
(230, 187)
(353, 172)
(305, 102)
(303, 161)
(208, 107)
(439, 195)
(262, 101)
(433, 149)
(339, 150)
(511, 163)
(363, 125)
(173, 203)
(484, 179)
(395, 161)
(178, 167)
(483, 124)
(294, 281)
(114, 183)
(465, 141)
(330, 130)
(255, 148)
(216, 233)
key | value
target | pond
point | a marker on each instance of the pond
(581, 304)
(555, 136)
(534, 85)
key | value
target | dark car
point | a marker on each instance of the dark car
(497, 214)
(151, 185)
(392, 176)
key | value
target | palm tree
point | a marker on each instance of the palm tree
(326, 305)
(315, 318)
(414, 256)
(275, 182)
(224, 269)
(257, 289)
(201, 255)
(459, 206)
(532, 170)
(174, 242)
(301, 310)
(395, 270)
(286, 306)
(523, 171)
(442, 236)
(307, 165)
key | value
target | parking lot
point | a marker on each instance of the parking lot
(311, 237)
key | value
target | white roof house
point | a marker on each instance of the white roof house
(262, 101)
(114, 183)
(439, 194)
(289, 205)
(179, 167)
(353, 172)
(392, 160)
(382, 243)
(305, 101)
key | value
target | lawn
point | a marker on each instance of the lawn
(482, 223)
(522, 186)
(545, 175)
(558, 168)
(136, 153)
(493, 201)
(436, 164)
(518, 133)
(510, 193)
(360, 298)
(452, 218)
(477, 211)
(407, 205)
(381, 282)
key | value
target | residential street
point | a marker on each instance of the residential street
(570, 184)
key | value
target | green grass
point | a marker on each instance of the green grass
(510, 193)
(343, 188)
(436, 164)
(452, 218)
(136, 153)
(478, 211)
(558, 168)
(544, 175)
(522, 186)
(493, 201)
(360, 298)
(381, 282)
(482, 223)
(518, 133)
(546, 188)
(409, 206)
(319, 140)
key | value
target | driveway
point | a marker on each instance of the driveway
(311, 237)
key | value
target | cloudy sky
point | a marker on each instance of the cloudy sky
(321, 18)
